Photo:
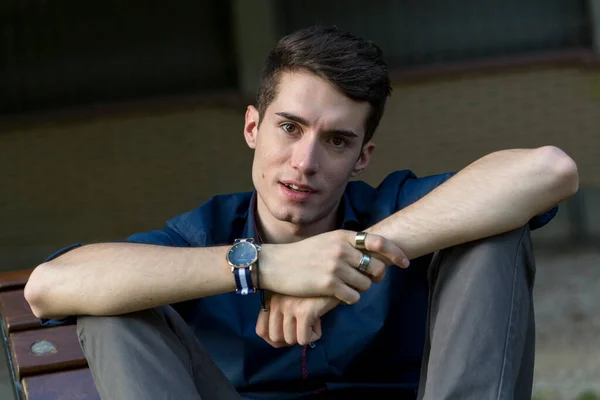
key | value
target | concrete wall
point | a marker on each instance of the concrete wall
(104, 178)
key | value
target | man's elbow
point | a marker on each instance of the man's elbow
(561, 170)
(37, 291)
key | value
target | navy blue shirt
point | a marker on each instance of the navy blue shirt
(375, 344)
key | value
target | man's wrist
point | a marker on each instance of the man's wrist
(263, 268)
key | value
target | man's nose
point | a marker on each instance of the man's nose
(306, 154)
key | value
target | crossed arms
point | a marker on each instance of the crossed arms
(497, 193)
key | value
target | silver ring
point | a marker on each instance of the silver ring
(359, 240)
(364, 263)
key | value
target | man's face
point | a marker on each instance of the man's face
(308, 145)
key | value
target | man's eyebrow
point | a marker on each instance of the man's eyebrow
(294, 118)
(302, 121)
(341, 132)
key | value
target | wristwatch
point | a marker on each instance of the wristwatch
(242, 255)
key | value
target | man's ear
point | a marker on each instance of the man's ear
(363, 159)
(251, 126)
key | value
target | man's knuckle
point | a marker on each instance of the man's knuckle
(378, 243)
(366, 285)
(377, 270)
(380, 274)
(329, 283)
(274, 302)
(341, 234)
(333, 267)
(285, 306)
(363, 285)
(301, 314)
(338, 250)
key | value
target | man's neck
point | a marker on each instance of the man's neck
(271, 230)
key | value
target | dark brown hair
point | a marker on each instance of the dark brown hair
(354, 65)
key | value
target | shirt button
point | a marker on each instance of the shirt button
(312, 345)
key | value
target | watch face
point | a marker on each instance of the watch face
(242, 254)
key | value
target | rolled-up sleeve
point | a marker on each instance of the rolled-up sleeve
(415, 189)
(162, 237)
(62, 251)
(540, 220)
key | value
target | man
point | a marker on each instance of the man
(338, 323)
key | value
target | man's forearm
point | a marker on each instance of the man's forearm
(117, 278)
(495, 194)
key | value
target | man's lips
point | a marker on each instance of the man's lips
(299, 187)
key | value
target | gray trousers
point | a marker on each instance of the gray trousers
(480, 335)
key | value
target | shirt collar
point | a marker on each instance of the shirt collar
(250, 228)
(349, 218)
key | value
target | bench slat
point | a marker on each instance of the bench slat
(68, 385)
(16, 313)
(46, 350)
(14, 279)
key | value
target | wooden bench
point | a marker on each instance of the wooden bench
(45, 363)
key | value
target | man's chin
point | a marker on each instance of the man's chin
(291, 218)
(299, 219)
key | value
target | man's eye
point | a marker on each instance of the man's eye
(338, 142)
(289, 128)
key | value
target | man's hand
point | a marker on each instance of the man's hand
(326, 265)
(293, 320)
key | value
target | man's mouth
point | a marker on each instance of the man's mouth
(296, 188)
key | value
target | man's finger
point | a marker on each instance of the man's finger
(262, 330)
(276, 327)
(345, 293)
(380, 278)
(276, 345)
(352, 277)
(304, 331)
(388, 249)
(376, 268)
(316, 331)
(289, 329)
(262, 324)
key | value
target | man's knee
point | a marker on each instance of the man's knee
(510, 242)
(489, 257)
(512, 249)
(510, 245)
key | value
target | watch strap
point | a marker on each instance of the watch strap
(243, 281)
(243, 276)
